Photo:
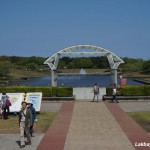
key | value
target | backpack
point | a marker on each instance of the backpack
(8, 103)
(96, 89)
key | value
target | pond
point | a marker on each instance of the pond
(74, 81)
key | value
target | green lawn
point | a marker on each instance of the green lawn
(142, 118)
(44, 121)
(12, 124)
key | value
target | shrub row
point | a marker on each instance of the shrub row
(47, 91)
(131, 90)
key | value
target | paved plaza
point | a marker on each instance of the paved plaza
(94, 128)
(86, 125)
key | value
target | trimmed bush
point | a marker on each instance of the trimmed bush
(47, 91)
(109, 91)
(64, 92)
(147, 90)
(131, 91)
(54, 91)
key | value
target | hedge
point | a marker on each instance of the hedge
(143, 90)
(47, 91)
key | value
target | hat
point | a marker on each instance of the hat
(30, 103)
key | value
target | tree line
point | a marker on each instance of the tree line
(36, 64)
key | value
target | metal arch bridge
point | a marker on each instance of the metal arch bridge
(114, 60)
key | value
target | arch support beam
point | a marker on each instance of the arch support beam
(114, 76)
(54, 78)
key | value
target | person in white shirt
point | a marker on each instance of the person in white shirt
(114, 98)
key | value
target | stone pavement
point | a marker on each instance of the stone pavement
(95, 126)
(84, 125)
(55, 137)
(132, 130)
(52, 106)
(11, 142)
(128, 106)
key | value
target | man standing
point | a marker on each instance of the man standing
(33, 117)
(25, 121)
(96, 91)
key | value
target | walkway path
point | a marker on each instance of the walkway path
(93, 126)
(55, 137)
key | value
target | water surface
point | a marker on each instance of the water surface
(75, 81)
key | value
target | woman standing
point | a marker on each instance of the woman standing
(5, 107)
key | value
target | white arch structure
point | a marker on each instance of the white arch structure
(114, 60)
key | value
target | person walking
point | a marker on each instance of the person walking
(5, 105)
(95, 91)
(25, 121)
(30, 106)
(114, 93)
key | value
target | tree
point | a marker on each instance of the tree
(84, 63)
(15, 59)
(146, 66)
(67, 60)
(100, 62)
(61, 64)
(32, 66)
(5, 68)
(81, 63)
(132, 64)
(71, 65)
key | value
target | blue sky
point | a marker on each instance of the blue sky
(43, 27)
